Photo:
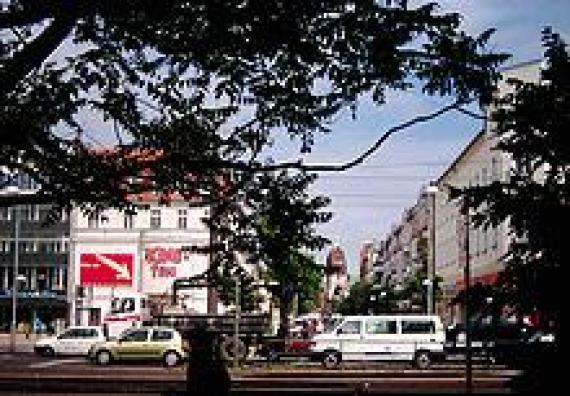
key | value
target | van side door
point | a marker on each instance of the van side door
(381, 338)
(349, 336)
(421, 334)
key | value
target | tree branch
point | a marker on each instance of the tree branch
(35, 53)
(371, 150)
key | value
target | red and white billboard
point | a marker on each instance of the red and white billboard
(106, 269)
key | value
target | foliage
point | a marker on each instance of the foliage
(532, 122)
(357, 302)
(272, 221)
(198, 90)
(204, 85)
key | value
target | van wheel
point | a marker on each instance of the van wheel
(103, 358)
(48, 352)
(171, 359)
(422, 360)
(331, 359)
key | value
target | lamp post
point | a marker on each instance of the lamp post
(467, 308)
(237, 319)
(14, 190)
(432, 190)
(427, 283)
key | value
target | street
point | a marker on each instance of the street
(26, 373)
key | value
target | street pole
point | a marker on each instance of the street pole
(431, 190)
(236, 322)
(467, 280)
(432, 277)
(15, 278)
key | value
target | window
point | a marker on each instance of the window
(69, 334)
(5, 246)
(161, 335)
(494, 237)
(182, 219)
(155, 218)
(381, 326)
(494, 169)
(418, 327)
(128, 221)
(484, 176)
(350, 327)
(93, 220)
(5, 213)
(138, 335)
(29, 246)
(88, 333)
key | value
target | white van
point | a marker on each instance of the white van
(415, 338)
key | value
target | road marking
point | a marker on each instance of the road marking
(58, 362)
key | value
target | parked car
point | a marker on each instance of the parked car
(76, 340)
(414, 338)
(273, 349)
(156, 343)
(504, 341)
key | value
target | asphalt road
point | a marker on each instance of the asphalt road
(26, 373)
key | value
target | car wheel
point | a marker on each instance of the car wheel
(272, 356)
(422, 360)
(331, 359)
(171, 359)
(48, 352)
(103, 358)
(227, 349)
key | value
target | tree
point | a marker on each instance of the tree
(532, 122)
(272, 221)
(531, 125)
(204, 85)
(197, 90)
(357, 302)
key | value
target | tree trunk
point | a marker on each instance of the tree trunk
(286, 307)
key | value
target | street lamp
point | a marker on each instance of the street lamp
(467, 308)
(432, 190)
(13, 189)
(428, 283)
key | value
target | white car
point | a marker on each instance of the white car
(76, 340)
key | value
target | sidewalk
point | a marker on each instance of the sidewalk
(23, 344)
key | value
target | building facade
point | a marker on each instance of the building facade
(404, 250)
(366, 258)
(115, 253)
(336, 276)
(479, 164)
(43, 257)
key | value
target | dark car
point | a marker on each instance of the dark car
(501, 340)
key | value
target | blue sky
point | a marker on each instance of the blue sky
(368, 199)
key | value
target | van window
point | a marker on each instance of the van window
(418, 327)
(350, 327)
(381, 326)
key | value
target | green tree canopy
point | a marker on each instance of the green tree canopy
(532, 123)
(207, 84)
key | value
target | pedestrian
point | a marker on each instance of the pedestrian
(27, 330)
(207, 373)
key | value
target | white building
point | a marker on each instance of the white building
(478, 164)
(115, 254)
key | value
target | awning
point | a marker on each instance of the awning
(485, 279)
